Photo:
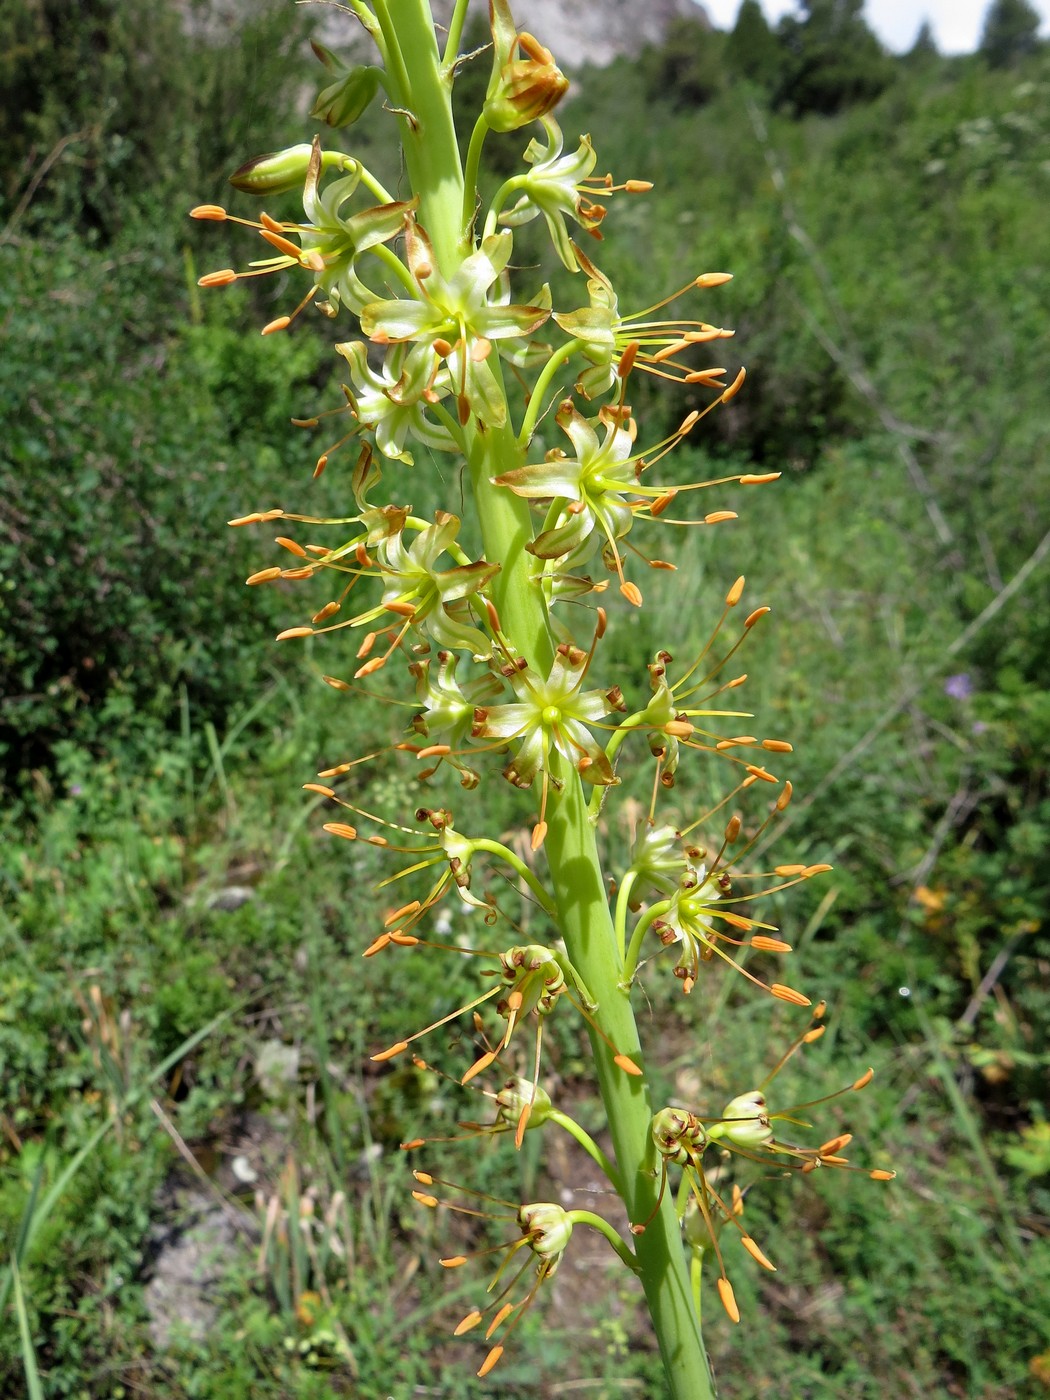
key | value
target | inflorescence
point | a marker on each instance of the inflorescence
(483, 700)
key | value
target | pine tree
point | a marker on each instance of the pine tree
(832, 59)
(752, 50)
(1011, 32)
(925, 45)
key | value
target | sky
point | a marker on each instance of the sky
(956, 24)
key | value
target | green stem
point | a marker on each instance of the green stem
(588, 1144)
(428, 132)
(623, 898)
(393, 263)
(516, 182)
(495, 848)
(539, 390)
(368, 19)
(470, 185)
(641, 928)
(455, 32)
(374, 186)
(596, 1222)
(395, 64)
(612, 748)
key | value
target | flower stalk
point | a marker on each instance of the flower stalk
(501, 680)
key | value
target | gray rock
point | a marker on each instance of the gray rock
(231, 898)
(186, 1273)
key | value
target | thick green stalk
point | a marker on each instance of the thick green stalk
(433, 163)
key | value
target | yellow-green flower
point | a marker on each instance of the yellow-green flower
(329, 243)
(557, 188)
(607, 338)
(457, 319)
(392, 402)
(551, 714)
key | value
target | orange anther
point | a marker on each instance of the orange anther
(343, 829)
(756, 1253)
(735, 387)
(788, 994)
(728, 1297)
(490, 1361)
(222, 278)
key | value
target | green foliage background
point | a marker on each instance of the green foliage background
(885, 220)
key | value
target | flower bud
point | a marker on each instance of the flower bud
(527, 89)
(281, 171)
(521, 90)
(345, 100)
(547, 1227)
(745, 1122)
(518, 1094)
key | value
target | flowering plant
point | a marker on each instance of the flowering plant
(489, 648)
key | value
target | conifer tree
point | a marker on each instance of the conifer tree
(832, 59)
(752, 50)
(1011, 32)
(925, 45)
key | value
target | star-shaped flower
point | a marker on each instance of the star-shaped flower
(458, 319)
(557, 188)
(391, 402)
(551, 715)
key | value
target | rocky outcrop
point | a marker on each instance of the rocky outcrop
(591, 31)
